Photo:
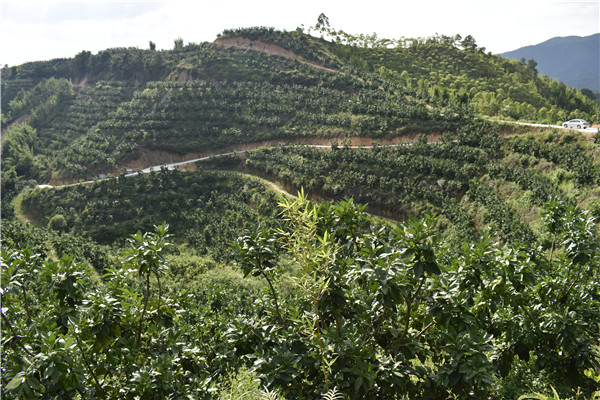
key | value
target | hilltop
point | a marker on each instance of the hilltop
(99, 113)
(432, 250)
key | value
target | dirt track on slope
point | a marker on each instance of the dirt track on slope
(151, 158)
(267, 48)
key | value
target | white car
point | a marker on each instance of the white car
(577, 123)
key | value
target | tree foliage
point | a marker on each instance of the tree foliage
(206, 209)
(372, 312)
(128, 100)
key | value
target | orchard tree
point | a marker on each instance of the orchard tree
(178, 44)
(468, 43)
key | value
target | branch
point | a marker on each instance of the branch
(562, 298)
(159, 297)
(139, 333)
(26, 304)
(274, 296)
(526, 311)
(424, 329)
(337, 320)
(552, 249)
(15, 334)
(372, 335)
(64, 388)
(87, 366)
(317, 322)
(408, 308)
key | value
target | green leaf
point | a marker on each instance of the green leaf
(15, 382)
(358, 383)
(34, 383)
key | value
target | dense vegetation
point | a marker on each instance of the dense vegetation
(96, 113)
(487, 287)
(358, 309)
(473, 180)
(383, 298)
(446, 70)
(205, 209)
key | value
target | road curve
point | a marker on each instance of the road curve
(172, 166)
(585, 130)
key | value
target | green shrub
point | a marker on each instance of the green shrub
(58, 223)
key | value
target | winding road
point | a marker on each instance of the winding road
(589, 132)
(176, 165)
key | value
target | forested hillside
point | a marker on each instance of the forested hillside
(431, 251)
(473, 180)
(76, 118)
(574, 60)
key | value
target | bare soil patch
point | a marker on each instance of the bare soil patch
(81, 82)
(267, 48)
(151, 158)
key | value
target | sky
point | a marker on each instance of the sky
(36, 30)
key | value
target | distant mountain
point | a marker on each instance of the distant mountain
(574, 60)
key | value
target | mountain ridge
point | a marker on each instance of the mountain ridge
(484, 285)
(574, 60)
(93, 114)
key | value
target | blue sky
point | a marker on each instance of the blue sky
(33, 30)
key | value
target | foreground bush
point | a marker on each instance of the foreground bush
(374, 312)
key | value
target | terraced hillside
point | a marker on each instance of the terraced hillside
(482, 281)
(95, 113)
(500, 286)
(474, 180)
